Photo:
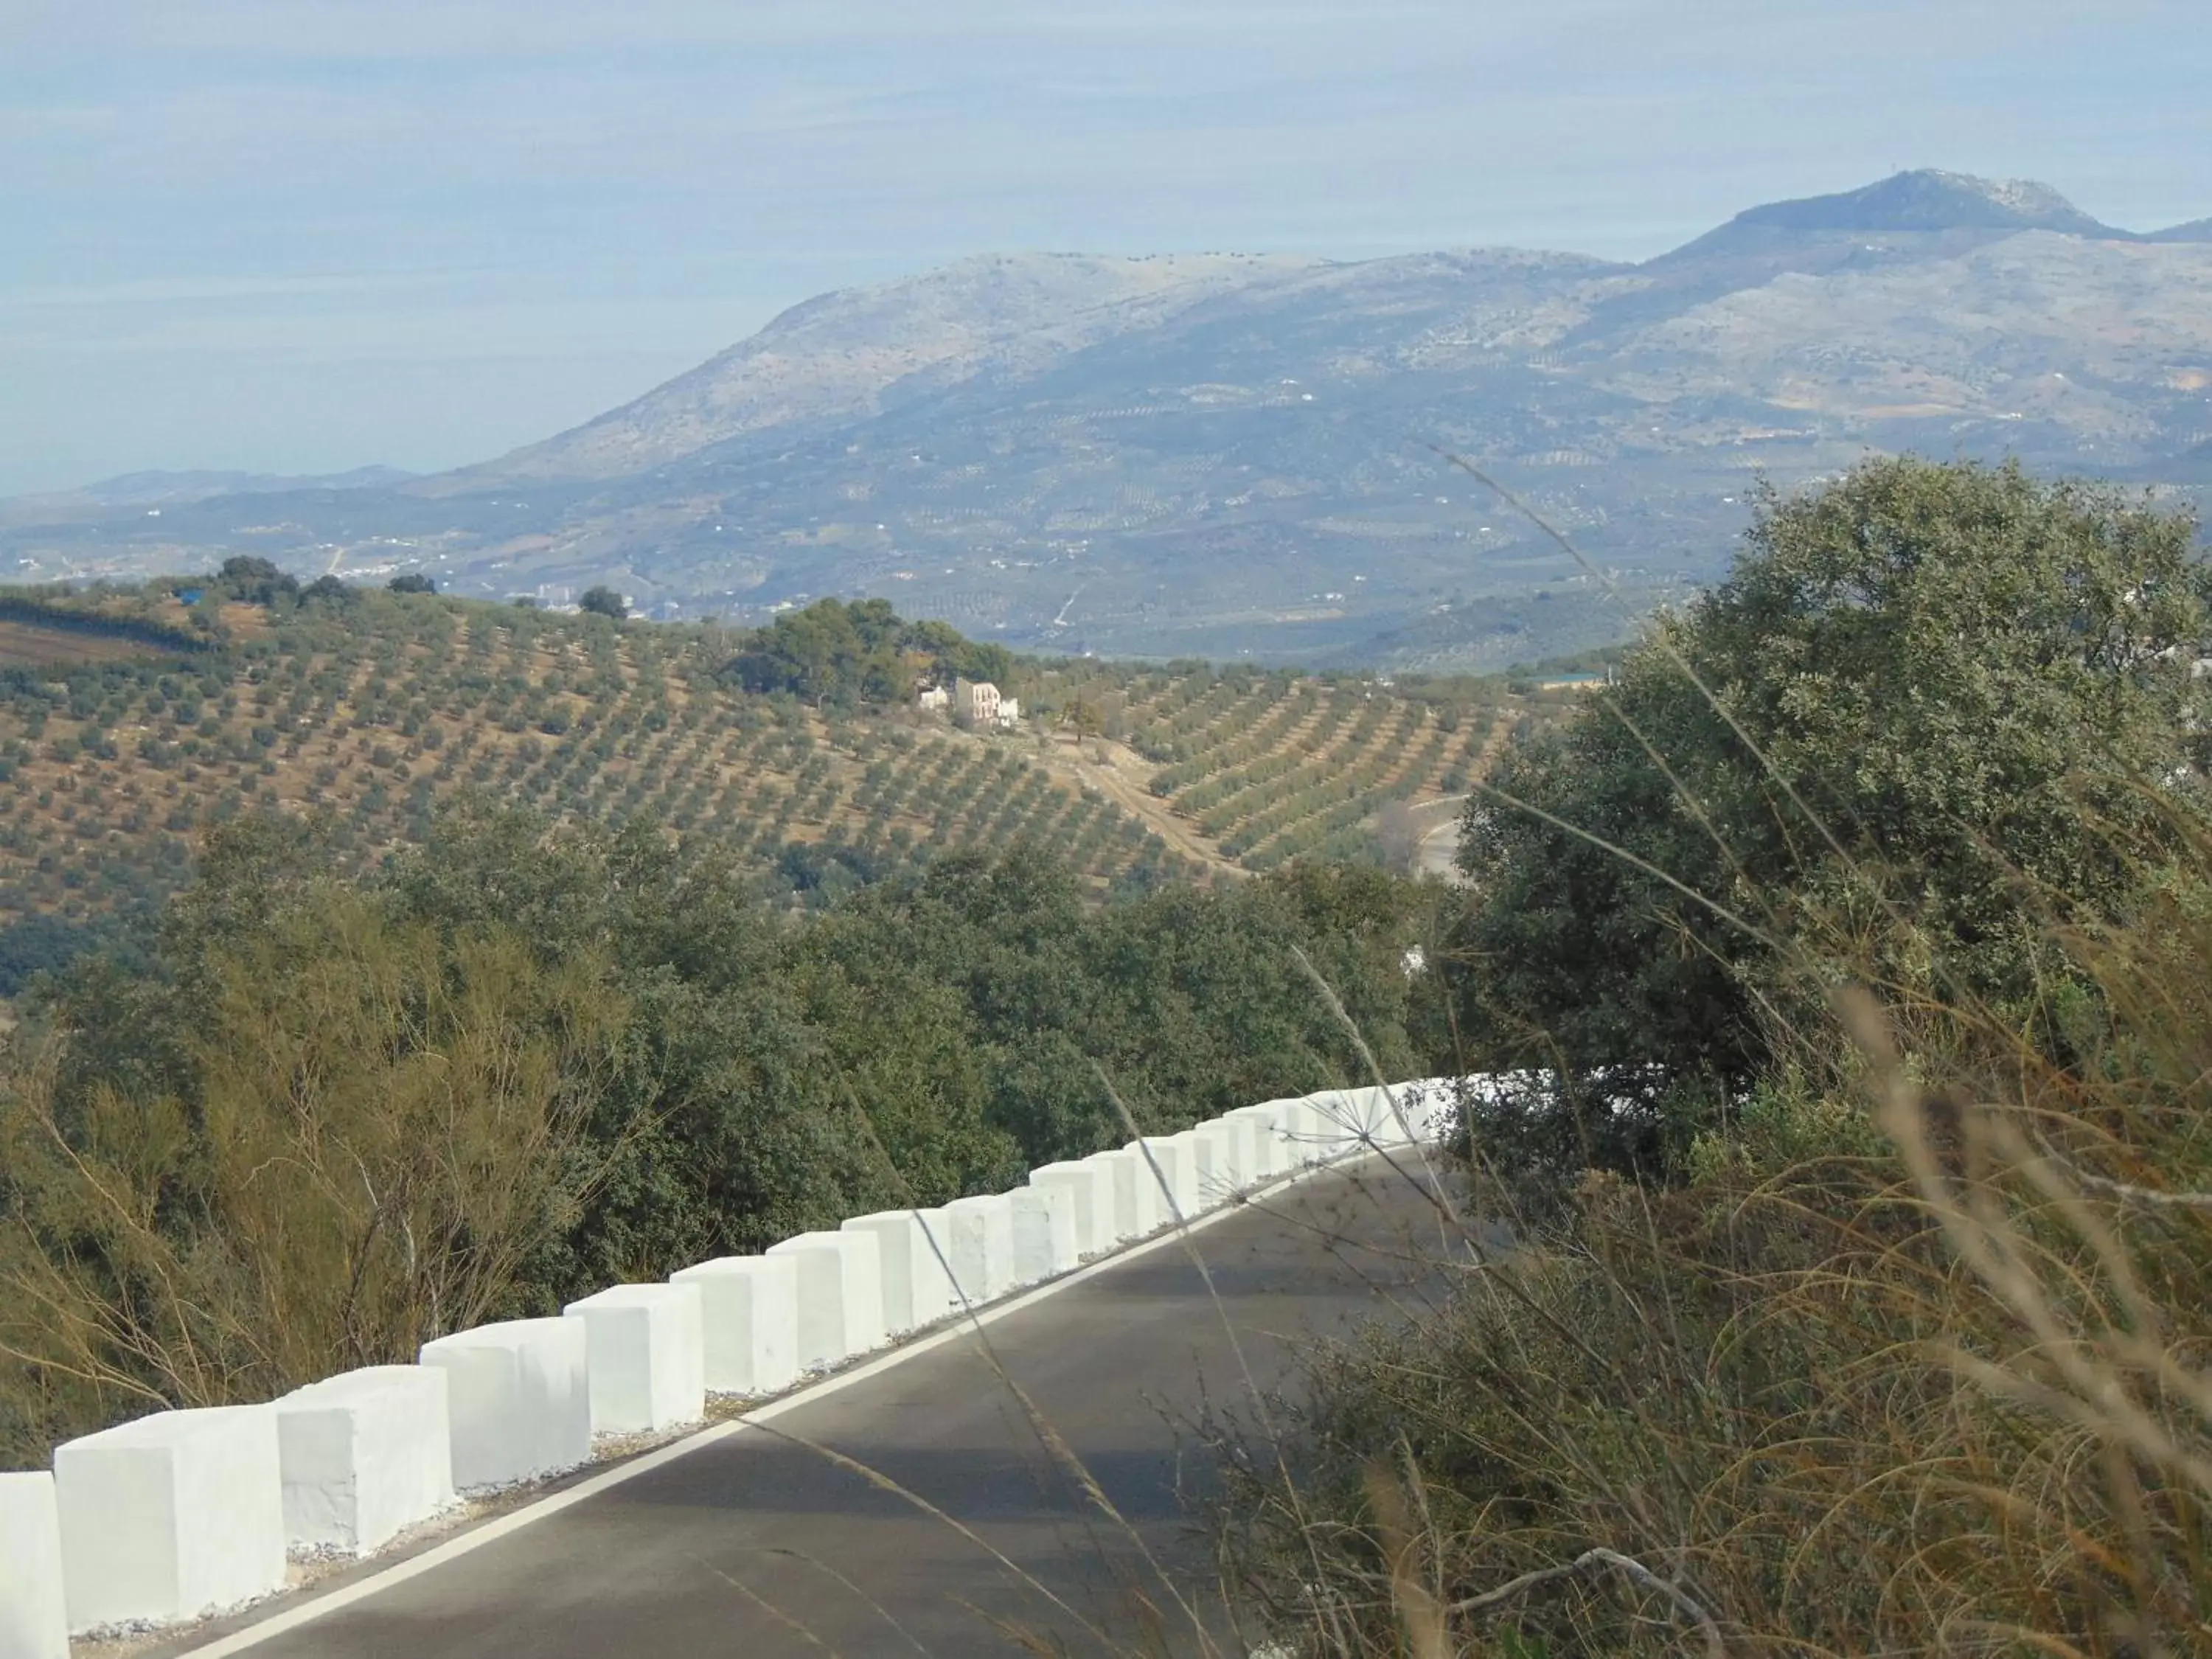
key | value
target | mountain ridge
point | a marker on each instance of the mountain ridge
(1920, 201)
(1928, 198)
(1234, 456)
(939, 311)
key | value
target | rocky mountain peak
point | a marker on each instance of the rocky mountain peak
(1928, 199)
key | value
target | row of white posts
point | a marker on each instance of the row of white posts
(184, 1513)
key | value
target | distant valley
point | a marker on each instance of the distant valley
(1231, 457)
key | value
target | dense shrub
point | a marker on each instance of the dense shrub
(1925, 693)
(832, 653)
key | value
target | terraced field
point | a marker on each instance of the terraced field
(1264, 768)
(372, 709)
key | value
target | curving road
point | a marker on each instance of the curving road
(753, 1539)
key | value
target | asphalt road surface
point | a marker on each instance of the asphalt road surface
(761, 1543)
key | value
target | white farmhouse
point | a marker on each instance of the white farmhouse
(976, 702)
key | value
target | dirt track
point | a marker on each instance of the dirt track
(1121, 779)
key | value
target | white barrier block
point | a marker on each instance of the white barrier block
(34, 1619)
(519, 1396)
(1251, 1161)
(1044, 1233)
(1174, 1172)
(841, 1295)
(365, 1454)
(936, 1247)
(1225, 1156)
(1199, 1194)
(917, 1291)
(170, 1517)
(748, 1321)
(1304, 1132)
(1324, 1131)
(1381, 1116)
(646, 1356)
(979, 1242)
(1335, 1122)
(1272, 1153)
(1137, 1207)
(1363, 1112)
(1090, 1186)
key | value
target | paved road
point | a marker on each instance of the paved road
(755, 1545)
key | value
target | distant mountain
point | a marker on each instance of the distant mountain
(838, 357)
(1228, 456)
(1925, 200)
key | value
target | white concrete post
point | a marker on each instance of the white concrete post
(933, 1252)
(1295, 1131)
(1337, 1123)
(646, 1349)
(1361, 1114)
(1362, 1118)
(1372, 1108)
(841, 1295)
(748, 1321)
(979, 1243)
(936, 1246)
(1224, 1160)
(1198, 1195)
(519, 1395)
(1044, 1233)
(1206, 1176)
(1272, 1152)
(1250, 1159)
(1204, 1193)
(1324, 1131)
(365, 1454)
(33, 1617)
(170, 1517)
(917, 1291)
(1139, 1207)
(1090, 1185)
(1173, 1172)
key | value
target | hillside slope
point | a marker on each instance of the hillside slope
(840, 356)
(372, 708)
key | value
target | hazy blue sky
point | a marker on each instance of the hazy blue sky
(309, 235)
